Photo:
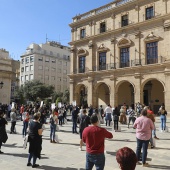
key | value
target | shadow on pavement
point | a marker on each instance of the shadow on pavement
(159, 166)
(121, 140)
(57, 168)
(12, 145)
(65, 131)
(22, 155)
(76, 144)
(162, 148)
(111, 153)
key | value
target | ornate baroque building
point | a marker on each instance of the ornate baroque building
(120, 53)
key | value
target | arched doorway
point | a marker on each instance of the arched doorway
(103, 94)
(125, 94)
(153, 94)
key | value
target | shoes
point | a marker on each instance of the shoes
(156, 137)
(35, 165)
(1, 152)
(51, 141)
(10, 132)
(138, 163)
(29, 164)
(152, 147)
(80, 149)
(145, 164)
(54, 141)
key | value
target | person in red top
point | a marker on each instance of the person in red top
(94, 137)
(21, 111)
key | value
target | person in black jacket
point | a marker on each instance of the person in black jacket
(116, 115)
(3, 134)
(74, 119)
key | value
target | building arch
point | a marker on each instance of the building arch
(102, 92)
(153, 93)
(82, 52)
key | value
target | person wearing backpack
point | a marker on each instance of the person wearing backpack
(53, 123)
(84, 122)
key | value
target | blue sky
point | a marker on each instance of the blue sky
(28, 21)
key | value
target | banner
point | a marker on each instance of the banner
(59, 105)
(74, 103)
(53, 106)
(41, 104)
(13, 105)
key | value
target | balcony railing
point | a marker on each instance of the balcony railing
(152, 60)
(126, 64)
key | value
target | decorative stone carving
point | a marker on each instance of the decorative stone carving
(72, 49)
(102, 48)
(167, 25)
(124, 42)
(90, 44)
(152, 37)
(113, 39)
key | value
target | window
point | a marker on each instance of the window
(53, 78)
(26, 78)
(82, 33)
(124, 57)
(31, 59)
(31, 76)
(22, 61)
(47, 77)
(22, 69)
(64, 80)
(31, 68)
(59, 70)
(65, 71)
(59, 78)
(22, 78)
(39, 77)
(26, 68)
(149, 13)
(53, 61)
(65, 63)
(47, 68)
(102, 27)
(152, 52)
(82, 64)
(47, 60)
(40, 67)
(52, 69)
(27, 60)
(102, 61)
(40, 59)
(124, 20)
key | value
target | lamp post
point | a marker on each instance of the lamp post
(1, 84)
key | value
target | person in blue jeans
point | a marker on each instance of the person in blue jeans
(163, 114)
(53, 124)
(74, 119)
(25, 118)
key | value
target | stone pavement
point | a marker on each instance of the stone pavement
(66, 156)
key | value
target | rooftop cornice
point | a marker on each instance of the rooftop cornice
(128, 27)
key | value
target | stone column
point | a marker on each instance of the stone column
(112, 91)
(138, 93)
(90, 91)
(71, 90)
(90, 60)
(73, 65)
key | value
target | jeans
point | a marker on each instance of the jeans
(13, 126)
(95, 159)
(30, 157)
(154, 131)
(163, 122)
(74, 128)
(131, 119)
(116, 124)
(52, 131)
(107, 122)
(24, 130)
(60, 120)
(142, 144)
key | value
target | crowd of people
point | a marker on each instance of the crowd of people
(35, 116)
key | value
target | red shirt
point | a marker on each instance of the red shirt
(94, 137)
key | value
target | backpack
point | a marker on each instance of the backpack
(83, 123)
(52, 120)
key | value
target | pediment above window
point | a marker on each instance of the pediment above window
(151, 37)
(102, 47)
(82, 51)
(124, 42)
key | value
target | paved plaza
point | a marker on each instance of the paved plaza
(66, 156)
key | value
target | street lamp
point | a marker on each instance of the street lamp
(1, 84)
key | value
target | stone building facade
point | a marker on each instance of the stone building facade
(49, 63)
(120, 53)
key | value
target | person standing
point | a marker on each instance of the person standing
(116, 115)
(84, 122)
(143, 126)
(13, 117)
(108, 113)
(21, 111)
(94, 137)
(163, 114)
(25, 118)
(3, 134)
(131, 114)
(35, 140)
(53, 123)
(74, 119)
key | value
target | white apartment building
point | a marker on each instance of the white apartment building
(49, 63)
